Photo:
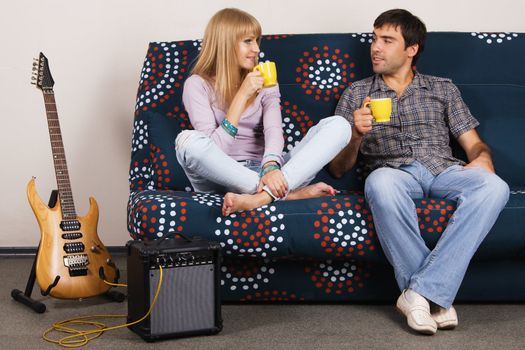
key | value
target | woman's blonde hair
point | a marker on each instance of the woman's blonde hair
(217, 61)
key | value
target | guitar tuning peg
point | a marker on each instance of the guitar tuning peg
(33, 82)
(33, 78)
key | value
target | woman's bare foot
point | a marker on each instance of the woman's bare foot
(319, 189)
(234, 202)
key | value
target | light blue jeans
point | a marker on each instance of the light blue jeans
(209, 169)
(435, 274)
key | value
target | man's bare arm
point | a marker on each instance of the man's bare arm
(478, 153)
(346, 159)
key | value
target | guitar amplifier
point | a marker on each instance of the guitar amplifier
(189, 302)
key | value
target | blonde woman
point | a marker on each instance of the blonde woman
(238, 142)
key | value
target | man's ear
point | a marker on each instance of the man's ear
(413, 50)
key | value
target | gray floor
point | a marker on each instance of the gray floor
(264, 326)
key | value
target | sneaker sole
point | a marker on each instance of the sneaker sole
(448, 325)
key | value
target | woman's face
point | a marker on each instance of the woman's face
(247, 52)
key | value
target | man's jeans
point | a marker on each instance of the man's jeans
(209, 169)
(435, 274)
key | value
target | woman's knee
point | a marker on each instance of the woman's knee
(338, 126)
(187, 141)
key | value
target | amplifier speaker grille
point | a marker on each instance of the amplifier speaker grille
(186, 300)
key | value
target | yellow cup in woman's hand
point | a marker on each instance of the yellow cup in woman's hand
(269, 73)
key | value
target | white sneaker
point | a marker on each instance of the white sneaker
(445, 318)
(417, 313)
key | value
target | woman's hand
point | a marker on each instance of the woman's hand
(252, 84)
(275, 181)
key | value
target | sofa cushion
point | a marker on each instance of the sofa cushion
(336, 228)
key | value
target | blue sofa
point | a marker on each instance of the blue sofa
(326, 249)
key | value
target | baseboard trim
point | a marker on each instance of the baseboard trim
(31, 251)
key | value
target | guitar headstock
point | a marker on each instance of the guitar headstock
(41, 74)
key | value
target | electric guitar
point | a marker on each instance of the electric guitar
(71, 261)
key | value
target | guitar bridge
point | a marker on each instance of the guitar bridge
(76, 264)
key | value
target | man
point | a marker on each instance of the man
(410, 157)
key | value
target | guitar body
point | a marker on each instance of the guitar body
(84, 255)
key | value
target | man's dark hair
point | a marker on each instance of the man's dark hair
(412, 28)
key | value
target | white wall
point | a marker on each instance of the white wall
(96, 49)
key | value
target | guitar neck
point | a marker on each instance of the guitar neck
(59, 157)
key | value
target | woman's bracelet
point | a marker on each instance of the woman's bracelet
(229, 127)
(269, 168)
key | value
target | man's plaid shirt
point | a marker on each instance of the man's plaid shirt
(419, 127)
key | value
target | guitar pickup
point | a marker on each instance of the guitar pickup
(70, 225)
(76, 247)
(72, 235)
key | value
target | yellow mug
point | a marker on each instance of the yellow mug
(381, 109)
(269, 73)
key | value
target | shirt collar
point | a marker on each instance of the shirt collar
(417, 82)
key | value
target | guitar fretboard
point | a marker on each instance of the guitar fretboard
(59, 157)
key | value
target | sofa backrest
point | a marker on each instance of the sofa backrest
(313, 71)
